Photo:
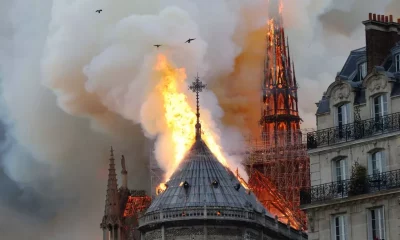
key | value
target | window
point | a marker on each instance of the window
(376, 163)
(380, 107)
(340, 169)
(397, 62)
(362, 71)
(342, 118)
(376, 224)
(339, 227)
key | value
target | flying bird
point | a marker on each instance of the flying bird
(157, 45)
(189, 40)
(99, 11)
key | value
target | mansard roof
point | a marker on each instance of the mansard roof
(202, 181)
(349, 74)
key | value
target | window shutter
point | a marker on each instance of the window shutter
(345, 228)
(333, 218)
(385, 107)
(370, 164)
(335, 116)
(382, 222)
(347, 113)
(383, 161)
(369, 220)
(345, 169)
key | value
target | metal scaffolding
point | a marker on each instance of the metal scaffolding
(281, 171)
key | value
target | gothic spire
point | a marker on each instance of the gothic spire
(197, 87)
(111, 209)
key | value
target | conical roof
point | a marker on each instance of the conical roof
(202, 181)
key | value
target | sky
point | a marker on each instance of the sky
(74, 82)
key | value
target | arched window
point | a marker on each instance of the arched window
(376, 162)
(339, 169)
(380, 107)
(343, 114)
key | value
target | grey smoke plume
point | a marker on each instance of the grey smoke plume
(73, 83)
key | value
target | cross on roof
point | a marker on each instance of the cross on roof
(197, 87)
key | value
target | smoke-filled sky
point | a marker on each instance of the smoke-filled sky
(74, 82)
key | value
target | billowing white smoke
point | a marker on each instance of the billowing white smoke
(100, 65)
(75, 81)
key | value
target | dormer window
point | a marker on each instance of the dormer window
(397, 62)
(362, 71)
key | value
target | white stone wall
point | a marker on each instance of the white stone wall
(356, 213)
(320, 214)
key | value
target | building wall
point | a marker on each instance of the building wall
(320, 215)
(210, 233)
(356, 214)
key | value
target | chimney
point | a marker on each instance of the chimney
(374, 17)
(381, 36)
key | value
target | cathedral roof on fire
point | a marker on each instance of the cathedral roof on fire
(201, 180)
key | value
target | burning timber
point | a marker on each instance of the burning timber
(278, 164)
(203, 199)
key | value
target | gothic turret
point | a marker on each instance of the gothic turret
(111, 223)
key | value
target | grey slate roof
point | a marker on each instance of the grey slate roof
(199, 169)
(323, 106)
(349, 71)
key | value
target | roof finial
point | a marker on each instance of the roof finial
(123, 165)
(197, 87)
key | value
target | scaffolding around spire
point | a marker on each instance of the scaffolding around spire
(197, 87)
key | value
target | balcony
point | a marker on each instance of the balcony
(348, 188)
(354, 131)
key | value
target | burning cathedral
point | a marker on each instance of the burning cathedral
(203, 200)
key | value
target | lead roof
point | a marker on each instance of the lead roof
(199, 169)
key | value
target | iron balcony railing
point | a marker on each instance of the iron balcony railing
(351, 187)
(353, 131)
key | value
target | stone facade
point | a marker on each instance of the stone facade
(362, 137)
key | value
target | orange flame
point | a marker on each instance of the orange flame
(179, 115)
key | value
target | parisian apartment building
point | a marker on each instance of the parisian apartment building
(355, 152)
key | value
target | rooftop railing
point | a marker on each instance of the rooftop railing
(354, 131)
(220, 214)
(351, 187)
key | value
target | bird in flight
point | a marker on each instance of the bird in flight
(189, 40)
(99, 11)
(157, 45)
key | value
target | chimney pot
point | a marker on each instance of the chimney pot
(398, 21)
(390, 18)
(379, 18)
(370, 16)
(386, 19)
(374, 16)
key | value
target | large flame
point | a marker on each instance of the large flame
(180, 117)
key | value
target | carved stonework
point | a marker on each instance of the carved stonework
(341, 93)
(377, 84)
